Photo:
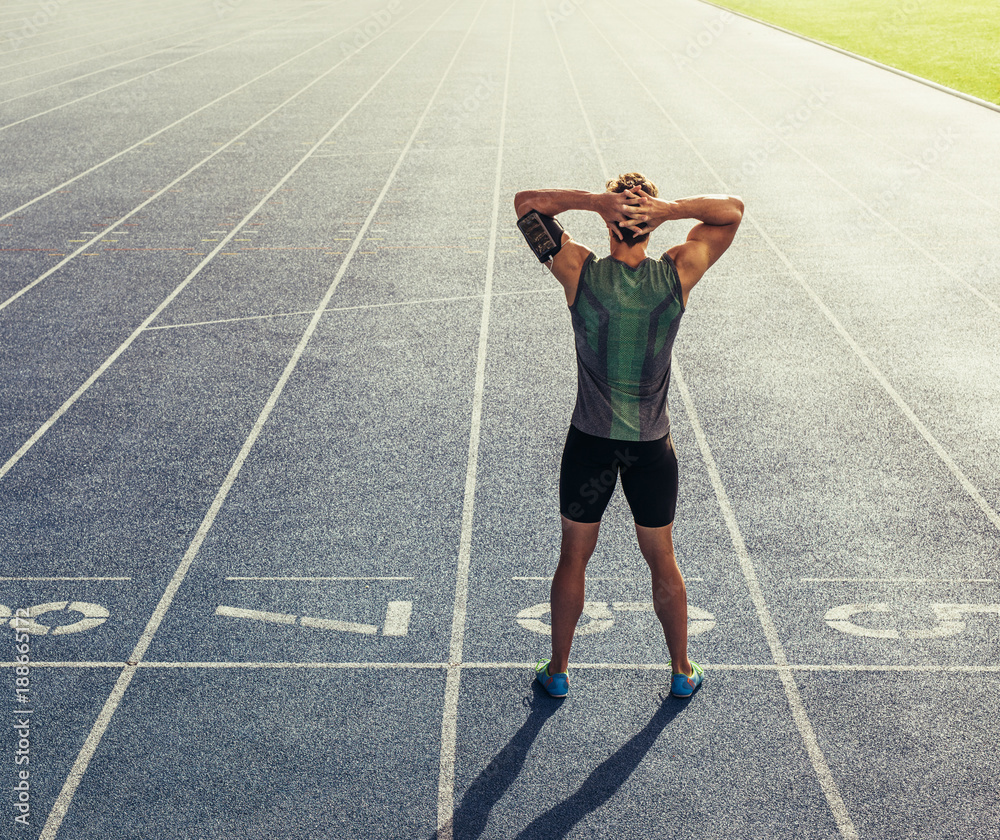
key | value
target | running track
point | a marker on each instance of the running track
(284, 393)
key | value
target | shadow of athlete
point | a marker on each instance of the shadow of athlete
(605, 781)
(625, 310)
(469, 821)
(489, 787)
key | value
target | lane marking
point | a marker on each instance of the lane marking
(600, 615)
(66, 578)
(256, 615)
(63, 801)
(600, 618)
(589, 578)
(309, 312)
(487, 666)
(339, 626)
(397, 618)
(949, 620)
(449, 715)
(808, 735)
(24, 622)
(839, 618)
(314, 578)
(897, 580)
(414, 302)
(816, 757)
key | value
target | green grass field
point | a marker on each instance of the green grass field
(952, 42)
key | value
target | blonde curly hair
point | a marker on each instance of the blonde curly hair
(632, 181)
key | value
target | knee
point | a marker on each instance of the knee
(572, 556)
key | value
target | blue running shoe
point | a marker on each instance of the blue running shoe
(681, 685)
(555, 684)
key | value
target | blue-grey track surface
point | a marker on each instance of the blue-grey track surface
(284, 395)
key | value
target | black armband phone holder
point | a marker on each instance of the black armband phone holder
(542, 233)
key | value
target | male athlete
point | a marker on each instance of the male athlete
(625, 310)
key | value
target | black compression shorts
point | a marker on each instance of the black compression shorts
(590, 469)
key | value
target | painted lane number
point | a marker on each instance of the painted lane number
(93, 616)
(949, 620)
(600, 617)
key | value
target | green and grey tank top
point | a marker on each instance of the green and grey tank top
(625, 320)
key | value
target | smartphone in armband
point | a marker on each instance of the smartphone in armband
(542, 233)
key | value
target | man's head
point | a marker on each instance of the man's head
(632, 181)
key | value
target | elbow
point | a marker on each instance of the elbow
(522, 202)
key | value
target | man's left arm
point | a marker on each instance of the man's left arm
(567, 264)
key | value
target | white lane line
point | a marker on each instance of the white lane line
(416, 302)
(157, 133)
(678, 24)
(908, 412)
(66, 578)
(59, 412)
(486, 666)
(828, 784)
(589, 578)
(576, 93)
(39, 663)
(62, 803)
(278, 22)
(816, 757)
(449, 716)
(896, 580)
(256, 615)
(311, 578)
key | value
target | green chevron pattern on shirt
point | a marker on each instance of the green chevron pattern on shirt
(625, 321)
